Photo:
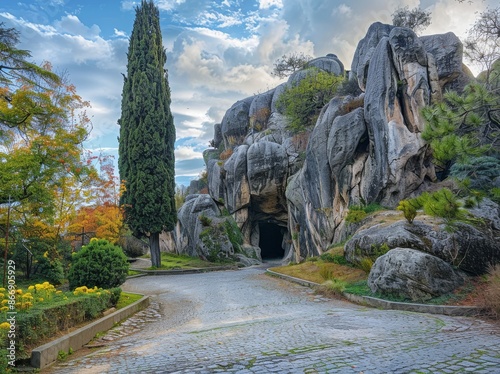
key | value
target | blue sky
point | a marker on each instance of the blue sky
(218, 51)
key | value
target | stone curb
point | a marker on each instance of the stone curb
(181, 271)
(393, 305)
(46, 354)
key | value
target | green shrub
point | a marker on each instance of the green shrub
(302, 103)
(233, 233)
(409, 210)
(444, 204)
(355, 216)
(204, 220)
(366, 264)
(326, 273)
(51, 270)
(336, 286)
(336, 259)
(100, 264)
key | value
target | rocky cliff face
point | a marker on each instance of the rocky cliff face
(362, 149)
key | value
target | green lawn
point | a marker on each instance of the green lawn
(127, 299)
(171, 261)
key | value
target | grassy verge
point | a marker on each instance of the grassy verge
(171, 261)
(127, 299)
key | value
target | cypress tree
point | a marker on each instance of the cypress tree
(147, 134)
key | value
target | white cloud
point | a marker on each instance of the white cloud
(119, 33)
(187, 153)
(70, 24)
(266, 4)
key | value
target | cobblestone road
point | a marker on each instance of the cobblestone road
(247, 322)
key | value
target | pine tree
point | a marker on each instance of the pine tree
(147, 134)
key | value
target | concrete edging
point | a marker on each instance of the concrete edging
(46, 354)
(393, 305)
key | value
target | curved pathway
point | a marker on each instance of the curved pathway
(247, 322)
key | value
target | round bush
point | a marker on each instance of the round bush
(100, 264)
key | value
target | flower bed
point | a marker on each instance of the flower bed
(43, 312)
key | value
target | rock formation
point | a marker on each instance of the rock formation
(362, 149)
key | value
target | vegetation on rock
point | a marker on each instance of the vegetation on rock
(301, 103)
(415, 19)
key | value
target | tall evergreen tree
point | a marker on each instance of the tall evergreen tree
(147, 134)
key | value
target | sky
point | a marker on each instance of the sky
(218, 52)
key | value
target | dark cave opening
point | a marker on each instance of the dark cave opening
(271, 241)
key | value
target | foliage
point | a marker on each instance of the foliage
(20, 109)
(357, 213)
(180, 196)
(326, 273)
(492, 292)
(52, 269)
(462, 126)
(335, 286)
(147, 134)
(301, 103)
(366, 264)
(336, 259)
(408, 209)
(54, 311)
(483, 43)
(204, 220)
(289, 63)
(415, 19)
(100, 264)
(444, 204)
(480, 172)
(233, 233)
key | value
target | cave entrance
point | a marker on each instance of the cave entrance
(271, 241)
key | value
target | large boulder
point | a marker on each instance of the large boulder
(234, 126)
(236, 180)
(189, 223)
(447, 51)
(471, 249)
(365, 50)
(413, 275)
(267, 165)
(329, 63)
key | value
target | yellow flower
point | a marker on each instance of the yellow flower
(5, 325)
(31, 288)
(5, 301)
(19, 291)
(46, 254)
(58, 292)
(40, 299)
(27, 295)
(4, 309)
(2, 295)
(2, 289)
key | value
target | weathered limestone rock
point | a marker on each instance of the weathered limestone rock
(267, 165)
(412, 274)
(364, 51)
(329, 63)
(215, 182)
(234, 126)
(237, 184)
(465, 246)
(189, 226)
(398, 161)
(447, 51)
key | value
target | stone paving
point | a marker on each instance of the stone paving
(246, 322)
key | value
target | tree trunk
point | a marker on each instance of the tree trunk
(154, 247)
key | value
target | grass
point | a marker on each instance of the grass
(133, 272)
(331, 265)
(127, 299)
(336, 277)
(171, 261)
